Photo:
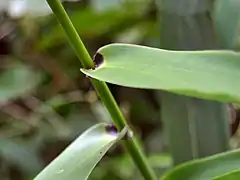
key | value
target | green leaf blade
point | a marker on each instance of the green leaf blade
(216, 166)
(204, 74)
(229, 176)
(77, 161)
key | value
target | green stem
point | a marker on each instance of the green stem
(102, 89)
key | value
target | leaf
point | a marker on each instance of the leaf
(226, 16)
(16, 81)
(229, 176)
(204, 74)
(207, 168)
(78, 160)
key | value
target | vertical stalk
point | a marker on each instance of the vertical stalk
(102, 89)
(195, 127)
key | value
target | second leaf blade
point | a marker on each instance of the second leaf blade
(77, 161)
(220, 166)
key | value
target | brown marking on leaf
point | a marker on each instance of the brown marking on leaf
(111, 129)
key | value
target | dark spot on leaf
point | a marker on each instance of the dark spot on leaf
(111, 129)
(98, 60)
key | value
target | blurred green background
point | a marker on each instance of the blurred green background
(46, 102)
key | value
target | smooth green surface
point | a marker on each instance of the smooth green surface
(207, 168)
(16, 81)
(203, 74)
(226, 16)
(78, 160)
(132, 146)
